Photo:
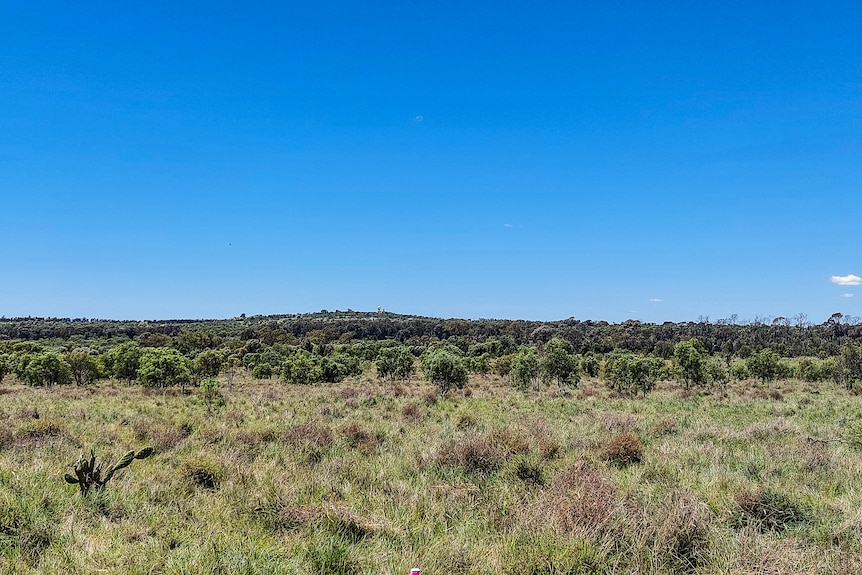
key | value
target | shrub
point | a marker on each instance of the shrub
(47, 369)
(525, 370)
(262, 371)
(444, 369)
(210, 392)
(164, 367)
(301, 368)
(394, 363)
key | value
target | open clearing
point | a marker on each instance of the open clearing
(367, 477)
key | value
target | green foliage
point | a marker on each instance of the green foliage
(123, 361)
(526, 369)
(336, 367)
(47, 368)
(88, 473)
(502, 366)
(210, 393)
(630, 373)
(812, 370)
(765, 365)
(559, 364)
(691, 358)
(84, 367)
(5, 365)
(591, 364)
(479, 364)
(847, 370)
(164, 367)
(208, 363)
(262, 371)
(717, 373)
(301, 368)
(739, 371)
(444, 369)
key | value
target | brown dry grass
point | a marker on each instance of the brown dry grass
(623, 449)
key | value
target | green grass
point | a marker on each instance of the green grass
(363, 477)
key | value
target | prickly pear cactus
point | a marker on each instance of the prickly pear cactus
(88, 474)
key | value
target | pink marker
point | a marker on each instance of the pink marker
(415, 571)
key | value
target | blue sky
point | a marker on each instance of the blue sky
(606, 160)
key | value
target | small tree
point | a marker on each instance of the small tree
(764, 365)
(164, 367)
(210, 392)
(85, 369)
(691, 358)
(444, 369)
(262, 371)
(47, 368)
(559, 364)
(123, 361)
(847, 369)
(630, 373)
(395, 363)
(525, 370)
(5, 366)
(717, 372)
(591, 364)
(208, 363)
(336, 367)
(301, 368)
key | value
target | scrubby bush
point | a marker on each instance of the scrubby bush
(444, 369)
(47, 368)
(301, 368)
(262, 371)
(394, 363)
(164, 367)
(559, 363)
(630, 373)
(525, 370)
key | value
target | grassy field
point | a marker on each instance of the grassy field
(366, 477)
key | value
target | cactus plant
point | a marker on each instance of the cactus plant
(88, 473)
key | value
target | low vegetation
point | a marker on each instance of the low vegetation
(329, 453)
(366, 476)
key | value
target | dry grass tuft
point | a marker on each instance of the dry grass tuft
(665, 427)
(466, 421)
(767, 510)
(582, 501)
(511, 441)
(310, 434)
(544, 440)
(413, 412)
(683, 531)
(202, 474)
(39, 432)
(623, 449)
(477, 454)
(162, 437)
(358, 437)
(615, 421)
(776, 428)
(816, 457)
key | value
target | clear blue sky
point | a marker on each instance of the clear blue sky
(604, 160)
